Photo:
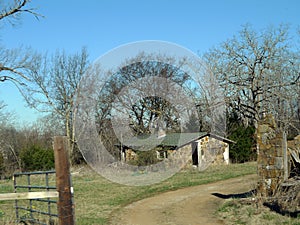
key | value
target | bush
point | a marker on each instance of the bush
(242, 150)
(37, 158)
(145, 158)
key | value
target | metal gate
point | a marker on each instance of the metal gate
(36, 210)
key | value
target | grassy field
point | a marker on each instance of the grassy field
(96, 198)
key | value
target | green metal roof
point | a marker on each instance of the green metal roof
(170, 140)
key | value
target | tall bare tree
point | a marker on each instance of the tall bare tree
(138, 88)
(258, 72)
(53, 85)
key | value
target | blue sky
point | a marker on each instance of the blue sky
(102, 25)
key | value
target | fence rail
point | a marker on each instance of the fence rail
(38, 195)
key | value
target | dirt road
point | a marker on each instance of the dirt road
(189, 206)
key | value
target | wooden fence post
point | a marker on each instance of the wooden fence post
(63, 182)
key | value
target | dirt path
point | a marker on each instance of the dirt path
(189, 206)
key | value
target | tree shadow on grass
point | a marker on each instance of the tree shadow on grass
(274, 206)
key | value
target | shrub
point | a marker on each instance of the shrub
(37, 158)
(145, 158)
(242, 150)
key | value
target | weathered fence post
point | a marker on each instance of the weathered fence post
(63, 181)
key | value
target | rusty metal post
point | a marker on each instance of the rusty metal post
(63, 182)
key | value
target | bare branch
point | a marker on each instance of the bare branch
(17, 8)
(4, 68)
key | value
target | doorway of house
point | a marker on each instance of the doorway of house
(195, 158)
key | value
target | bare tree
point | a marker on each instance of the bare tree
(5, 116)
(9, 142)
(138, 88)
(258, 72)
(53, 85)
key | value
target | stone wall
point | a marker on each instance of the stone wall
(182, 156)
(210, 151)
(217, 151)
(130, 155)
(270, 156)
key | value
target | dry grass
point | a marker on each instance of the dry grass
(237, 211)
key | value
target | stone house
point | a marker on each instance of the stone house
(199, 147)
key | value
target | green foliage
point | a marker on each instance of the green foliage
(145, 158)
(242, 150)
(37, 158)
